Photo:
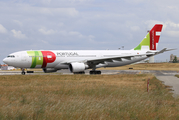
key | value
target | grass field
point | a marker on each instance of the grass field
(84, 97)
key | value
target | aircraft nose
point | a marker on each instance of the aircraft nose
(5, 60)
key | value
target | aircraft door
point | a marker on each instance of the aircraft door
(23, 57)
(25, 61)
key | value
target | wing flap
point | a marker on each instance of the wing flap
(112, 59)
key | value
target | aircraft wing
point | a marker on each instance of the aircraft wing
(108, 59)
(129, 57)
(117, 58)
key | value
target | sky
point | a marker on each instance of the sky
(86, 24)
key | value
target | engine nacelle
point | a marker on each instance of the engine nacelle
(49, 70)
(77, 67)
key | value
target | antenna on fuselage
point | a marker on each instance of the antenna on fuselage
(123, 47)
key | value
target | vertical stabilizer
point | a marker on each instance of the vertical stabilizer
(151, 40)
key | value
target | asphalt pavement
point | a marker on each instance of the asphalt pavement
(170, 80)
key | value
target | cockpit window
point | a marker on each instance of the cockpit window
(11, 56)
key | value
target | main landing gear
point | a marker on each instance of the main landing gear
(93, 72)
(79, 72)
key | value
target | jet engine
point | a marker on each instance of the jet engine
(49, 70)
(77, 67)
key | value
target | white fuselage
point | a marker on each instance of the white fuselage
(31, 59)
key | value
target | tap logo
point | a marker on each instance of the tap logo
(48, 57)
(40, 59)
(155, 36)
(151, 40)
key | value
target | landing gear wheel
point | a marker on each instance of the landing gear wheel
(79, 73)
(23, 71)
(95, 72)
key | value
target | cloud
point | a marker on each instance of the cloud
(47, 32)
(45, 42)
(18, 22)
(172, 24)
(172, 33)
(60, 24)
(2, 29)
(135, 28)
(40, 10)
(151, 23)
(81, 0)
(18, 34)
(171, 29)
(46, 1)
(135, 1)
(75, 33)
(63, 32)
(167, 25)
(71, 12)
(91, 38)
(80, 35)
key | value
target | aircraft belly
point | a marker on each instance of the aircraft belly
(61, 66)
(38, 66)
(51, 65)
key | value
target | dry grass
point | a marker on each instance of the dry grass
(85, 97)
(177, 76)
(148, 66)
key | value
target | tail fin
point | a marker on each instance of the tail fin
(150, 42)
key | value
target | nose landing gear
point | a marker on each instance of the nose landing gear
(23, 71)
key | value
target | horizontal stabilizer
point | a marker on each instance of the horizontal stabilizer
(164, 50)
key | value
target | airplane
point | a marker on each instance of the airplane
(77, 61)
